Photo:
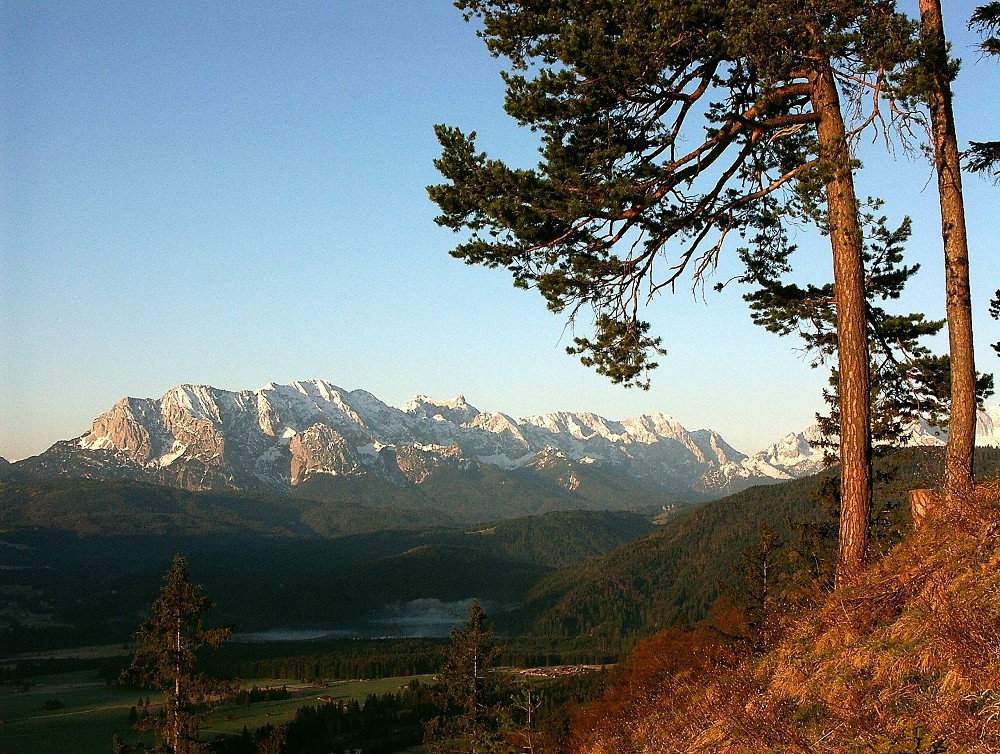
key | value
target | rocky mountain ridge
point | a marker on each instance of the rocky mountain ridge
(276, 438)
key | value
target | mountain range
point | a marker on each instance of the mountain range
(303, 437)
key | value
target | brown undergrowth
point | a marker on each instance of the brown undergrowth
(906, 660)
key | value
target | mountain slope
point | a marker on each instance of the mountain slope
(797, 455)
(79, 559)
(903, 659)
(95, 507)
(668, 576)
(437, 458)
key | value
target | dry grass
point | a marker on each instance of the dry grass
(904, 660)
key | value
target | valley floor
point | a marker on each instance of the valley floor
(91, 713)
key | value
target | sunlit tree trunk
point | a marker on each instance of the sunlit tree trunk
(958, 301)
(175, 723)
(168, 642)
(852, 340)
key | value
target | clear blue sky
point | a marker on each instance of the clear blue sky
(232, 193)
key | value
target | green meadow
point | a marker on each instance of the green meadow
(90, 713)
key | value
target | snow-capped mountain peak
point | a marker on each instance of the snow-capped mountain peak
(278, 436)
(457, 410)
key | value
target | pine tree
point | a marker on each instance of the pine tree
(166, 659)
(665, 127)
(995, 313)
(759, 569)
(937, 73)
(472, 692)
(908, 382)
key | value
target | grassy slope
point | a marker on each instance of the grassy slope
(905, 660)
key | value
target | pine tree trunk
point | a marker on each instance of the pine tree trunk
(852, 337)
(958, 300)
(175, 722)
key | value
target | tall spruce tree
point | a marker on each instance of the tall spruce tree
(472, 693)
(665, 127)
(166, 659)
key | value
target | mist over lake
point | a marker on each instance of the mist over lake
(420, 618)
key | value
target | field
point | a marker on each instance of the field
(79, 713)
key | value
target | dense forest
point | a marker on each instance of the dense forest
(78, 569)
(674, 575)
(569, 579)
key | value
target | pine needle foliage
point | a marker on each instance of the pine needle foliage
(909, 383)
(984, 156)
(664, 129)
(472, 692)
(995, 313)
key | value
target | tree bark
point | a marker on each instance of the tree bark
(852, 336)
(958, 300)
(175, 722)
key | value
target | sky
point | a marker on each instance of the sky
(233, 193)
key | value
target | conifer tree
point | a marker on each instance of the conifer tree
(665, 127)
(759, 569)
(471, 691)
(984, 156)
(166, 658)
(909, 383)
(995, 313)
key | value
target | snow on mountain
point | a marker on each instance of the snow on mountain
(457, 410)
(988, 426)
(794, 455)
(201, 437)
(797, 454)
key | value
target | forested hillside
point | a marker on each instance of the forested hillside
(65, 582)
(324, 506)
(81, 558)
(125, 508)
(675, 574)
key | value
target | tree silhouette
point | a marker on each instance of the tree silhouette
(472, 693)
(166, 658)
